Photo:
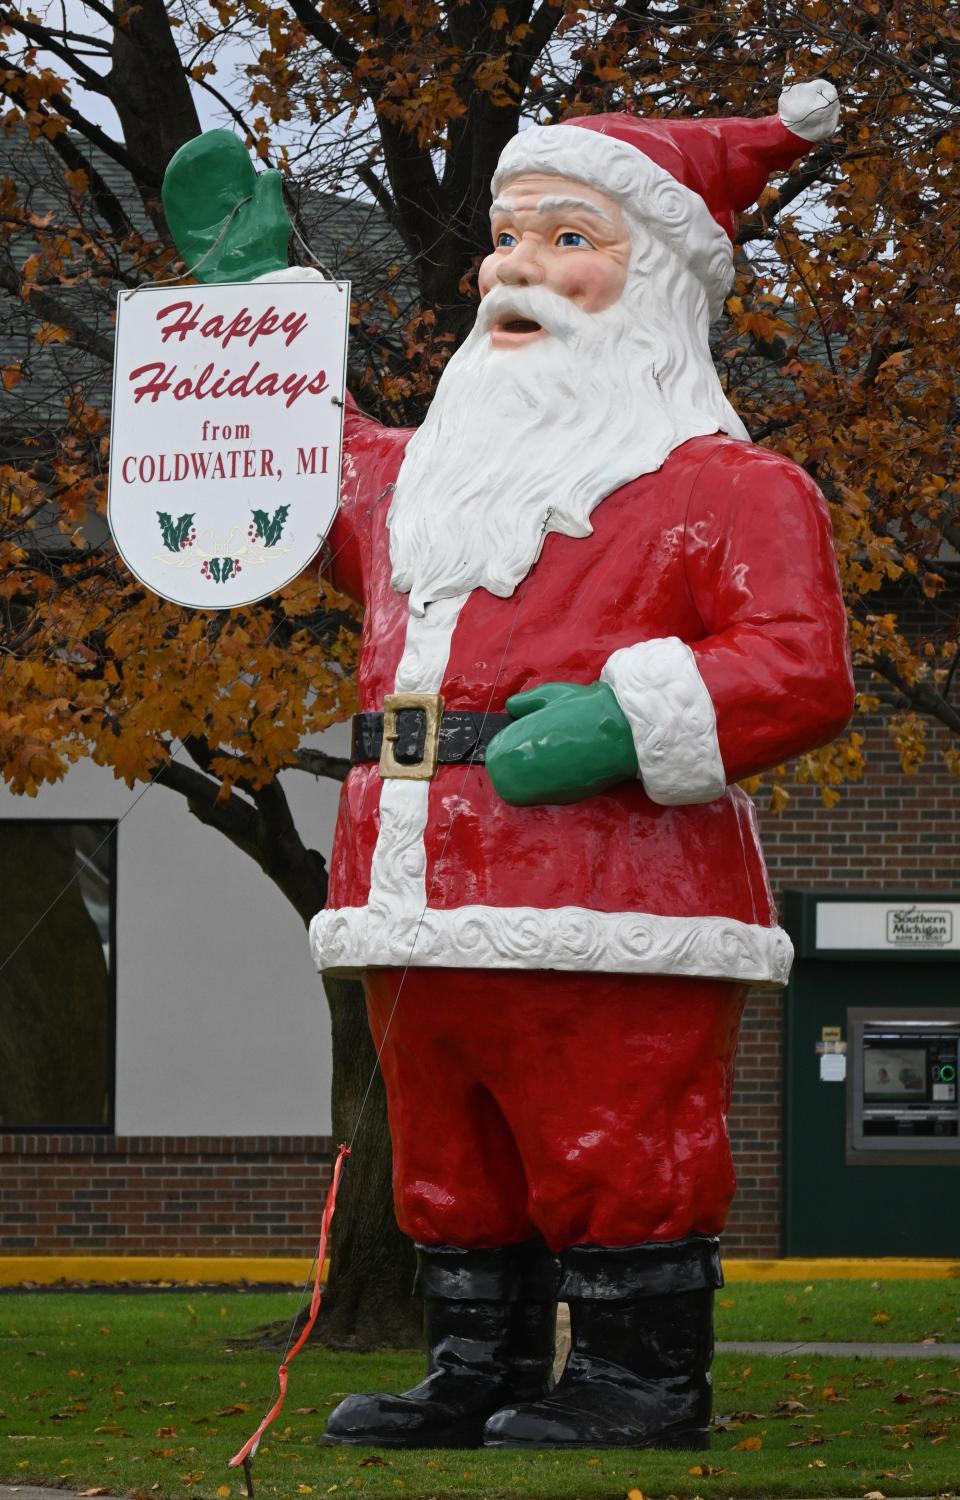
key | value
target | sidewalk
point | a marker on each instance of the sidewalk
(857, 1351)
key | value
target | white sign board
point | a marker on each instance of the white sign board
(888, 925)
(226, 436)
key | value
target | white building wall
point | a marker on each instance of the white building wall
(222, 1026)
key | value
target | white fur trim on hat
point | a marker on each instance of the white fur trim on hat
(645, 191)
(810, 110)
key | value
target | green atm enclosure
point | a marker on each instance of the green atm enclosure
(871, 1059)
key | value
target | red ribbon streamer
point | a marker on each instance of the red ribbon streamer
(252, 1444)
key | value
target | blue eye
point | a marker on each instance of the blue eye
(572, 239)
(505, 241)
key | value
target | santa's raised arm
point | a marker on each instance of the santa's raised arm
(591, 606)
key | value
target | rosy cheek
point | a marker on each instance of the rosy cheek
(585, 283)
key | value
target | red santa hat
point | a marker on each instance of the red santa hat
(685, 180)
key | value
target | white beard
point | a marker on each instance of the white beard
(524, 441)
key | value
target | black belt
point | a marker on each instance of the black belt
(464, 736)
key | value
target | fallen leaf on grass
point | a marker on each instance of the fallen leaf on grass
(817, 1463)
(882, 1317)
(705, 1470)
(236, 1410)
(223, 1490)
(788, 1408)
(97, 1490)
(373, 1462)
(304, 1489)
(299, 1411)
(634, 1494)
(874, 1495)
(165, 1432)
(901, 1398)
(812, 1440)
(749, 1445)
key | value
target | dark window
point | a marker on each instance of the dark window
(57, 956)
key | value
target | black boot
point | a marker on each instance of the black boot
(490, 1320)
(638, 1376)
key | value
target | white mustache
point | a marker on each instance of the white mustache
(558, 315)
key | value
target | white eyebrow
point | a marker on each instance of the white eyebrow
(555, 201)
(550, 203)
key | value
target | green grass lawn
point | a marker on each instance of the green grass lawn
(149, 1395)
(902, 1312)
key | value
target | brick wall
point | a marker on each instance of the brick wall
(887, 831)
(258, 1195)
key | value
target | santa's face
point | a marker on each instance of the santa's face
(556, 233)
(587, 365)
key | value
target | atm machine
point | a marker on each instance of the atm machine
(902, 1094)
(871, 1060)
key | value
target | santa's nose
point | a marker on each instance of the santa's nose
(522, 267)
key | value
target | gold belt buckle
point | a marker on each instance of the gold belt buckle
(432, 706)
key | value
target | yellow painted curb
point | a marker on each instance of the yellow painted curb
(842, 1268)
(46, 1270)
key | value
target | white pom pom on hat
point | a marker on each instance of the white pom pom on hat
(810, 110)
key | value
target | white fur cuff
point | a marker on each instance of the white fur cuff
(293, 273)
(672, 719)
(810, 110)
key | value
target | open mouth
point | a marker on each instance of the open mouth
(511, 329)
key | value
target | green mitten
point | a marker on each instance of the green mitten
(569, 742)
(203, 184)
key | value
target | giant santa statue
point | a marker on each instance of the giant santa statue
(591, 608)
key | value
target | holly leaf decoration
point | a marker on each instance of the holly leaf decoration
(174, 532)
(221, 568)
(271, 527)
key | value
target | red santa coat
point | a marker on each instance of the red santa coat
(707, 595)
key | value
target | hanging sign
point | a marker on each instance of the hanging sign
(226, 435)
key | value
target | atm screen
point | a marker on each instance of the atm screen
(894, 1073)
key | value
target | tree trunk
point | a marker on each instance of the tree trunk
(151, 94)
(369, 1299)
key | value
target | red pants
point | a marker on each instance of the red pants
(586, 1108)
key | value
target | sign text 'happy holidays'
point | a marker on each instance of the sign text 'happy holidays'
(181, 319)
